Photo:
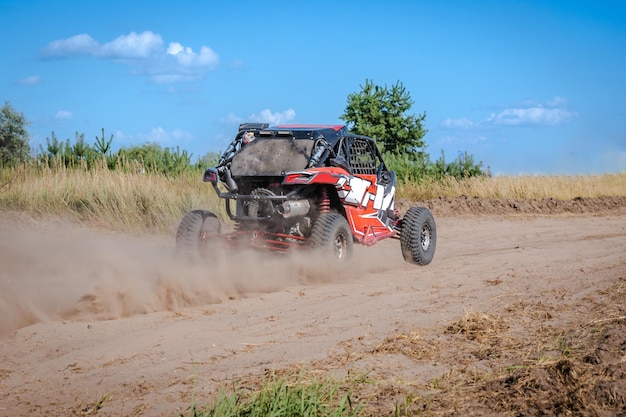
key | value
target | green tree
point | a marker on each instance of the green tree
(54, 148)
(151, 157)
(103, 146)
(462, 167)
(148, 154)
(381, 113)
(81, 149)
(14, 138)
(209, 159)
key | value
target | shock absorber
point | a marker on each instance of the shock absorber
(324, 200)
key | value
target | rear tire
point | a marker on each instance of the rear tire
(331, 234)
(418, 237)
(196, 230)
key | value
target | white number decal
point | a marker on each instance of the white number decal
(359, 194)
(358, 187)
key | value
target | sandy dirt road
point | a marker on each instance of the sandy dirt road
(87, 316)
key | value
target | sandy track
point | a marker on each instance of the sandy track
(121, 317)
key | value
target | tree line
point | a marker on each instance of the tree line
(376, 111)
(147, 157)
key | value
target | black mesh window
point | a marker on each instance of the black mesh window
(362, 159)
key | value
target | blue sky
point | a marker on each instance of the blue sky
(527, 87)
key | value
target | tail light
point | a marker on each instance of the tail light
(299, 178)
(210, 175)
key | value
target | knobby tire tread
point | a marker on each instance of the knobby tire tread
(325, 229)
(188, 233)
(410, 236)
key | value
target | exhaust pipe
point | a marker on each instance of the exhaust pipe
(294, 208)
(230, 182)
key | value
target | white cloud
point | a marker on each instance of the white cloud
(63, 115)
(557, 102)
(164, 137)
(76, 45)
(179, 63)
(132, 46)
(232, 118)
(158, 135)
(537, 115)
(188, 58)
(144, 53)
(175, 48)
(553, 113)
(32, 80)
(266, 116)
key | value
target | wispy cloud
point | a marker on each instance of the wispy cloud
(145, 53)
(462, 123)
(163, 137)
(236, 64)
(465, 139)
(231, 119)
(553, 112)
(32, 80)
(188, 58)
(537, 116)
(266, 116)
(63, 115)
(557, 102)
(131, 46)
(82, 44)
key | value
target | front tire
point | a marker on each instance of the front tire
(331, 234)
(418, 236)
(196, 229)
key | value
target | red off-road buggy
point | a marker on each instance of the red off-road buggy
(306, 186)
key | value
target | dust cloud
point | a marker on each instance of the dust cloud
(57, 271)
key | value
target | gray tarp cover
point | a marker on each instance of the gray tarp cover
(272, 157)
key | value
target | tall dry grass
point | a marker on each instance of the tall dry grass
(518, 187)
(153, 203)
(104, 198)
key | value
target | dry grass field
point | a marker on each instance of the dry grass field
(520, 187)
(136, 202)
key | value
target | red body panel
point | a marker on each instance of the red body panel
(361, 196)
